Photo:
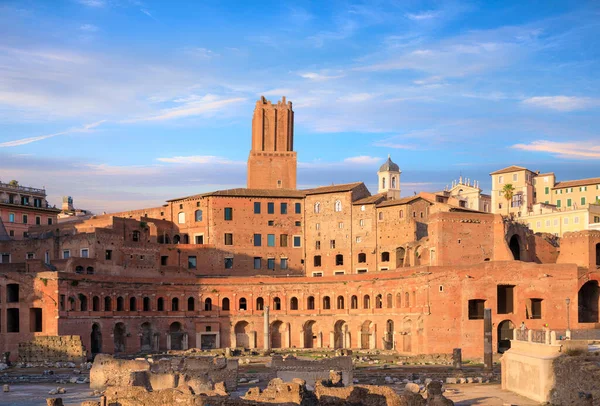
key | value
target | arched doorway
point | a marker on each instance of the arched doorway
(96, 339)
(310, 337)
(505, 334)
(176, 333)
(119, 337)
(277, 334)
(339, 330)
(400, 254)
(587, 303)
(389, 335)
(365, 335)
(242, 339)
(515, 247)
(407, 335)
(146, 338)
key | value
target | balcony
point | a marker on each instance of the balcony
(19, 188)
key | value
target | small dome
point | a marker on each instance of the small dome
(389, 166)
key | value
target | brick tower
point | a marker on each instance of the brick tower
(272, 161)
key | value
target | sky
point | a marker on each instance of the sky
(123, 104)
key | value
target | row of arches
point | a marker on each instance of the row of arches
(146, 304)
(80, 270)
(148, 336)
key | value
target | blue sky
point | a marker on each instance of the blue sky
(124, 103)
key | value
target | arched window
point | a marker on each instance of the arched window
(132, 304)
(146, 304)
(362, 258)
(96, 304)
(160, 304)
(175, 304)
(378, 302)
(340, 302)
(366, 302)
(354, 302)
(136, 236)
(260, 303)
(294, 303)
(383, 183)
(225, 304)
(401, 214)
(208, 304)
(191, 304)
(339, 260)
(310, 303)
(317, 208)
(406, 300)
(380, 215)
(181, 218)
(390, 301)
(72, 304)
(338, 205)
(198, 215)
(120, 304)
(276, 303)
(89, 270)
(385, 256)
(243, 304)
(398, 300)
(326, 303)
(79, 269)
(83, 302)
(393, 182)
(107, 304)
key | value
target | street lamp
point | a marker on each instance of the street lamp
(568, 333)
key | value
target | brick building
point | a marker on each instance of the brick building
(333, 266)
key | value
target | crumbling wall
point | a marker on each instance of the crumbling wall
(199, 373)
(312, 371)
(577, 380)
(52, 349)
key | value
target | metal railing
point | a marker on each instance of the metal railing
(19, 188)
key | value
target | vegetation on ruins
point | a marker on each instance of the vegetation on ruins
(508, 191)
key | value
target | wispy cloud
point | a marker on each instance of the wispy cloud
(363, 160)
(88, 27)
(319, 76)
(425, 15)
(561, 103)
(198, 159)
(203, 53)
(356, 97)
(92, 3)
(29, 140)
(570, 150)
(206, 105)
(148, 13)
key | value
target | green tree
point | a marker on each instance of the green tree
(14, 183)
(508, 191)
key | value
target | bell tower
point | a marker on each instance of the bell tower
(389, 179)
(272, 161)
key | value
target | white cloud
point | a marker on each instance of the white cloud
(426, 15)
(92, 3)
(561, 103)
(88, 27)
(29, 140)
(203, 53)
(356, 97)
(319, 76)
(569, 150)
(198, 159)
(363, 160)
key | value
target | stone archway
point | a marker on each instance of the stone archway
(505, 334)
(277, 330)
(310, 338)
(515, 247)
(587, 302)
(176, 333)
(365, 335)
(339, 331)
(389, 335)
(400, 254)
(96, 339)
(242, 339)
(146, 337)
(119, 337)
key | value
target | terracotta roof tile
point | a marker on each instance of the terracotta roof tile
(346, 187)
(244, 192)
(510, 169)
(375, 199)
(579, 182)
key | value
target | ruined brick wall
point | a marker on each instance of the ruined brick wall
(580, 248)
(52, 349)
(312, 371)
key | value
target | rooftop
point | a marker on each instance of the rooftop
(509, 169)
(579, 182)
(19, 188)
(389, 166)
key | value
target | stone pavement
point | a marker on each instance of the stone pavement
(484, 394)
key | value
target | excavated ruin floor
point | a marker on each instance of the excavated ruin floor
(36, 394)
